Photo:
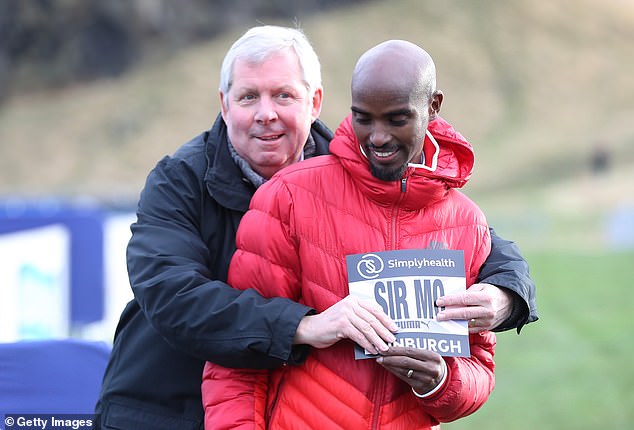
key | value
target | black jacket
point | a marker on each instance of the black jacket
(185, 314)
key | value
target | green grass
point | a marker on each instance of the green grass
(572, 369)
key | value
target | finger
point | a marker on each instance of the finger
(369, 326)
(461, 313)
(366, 332)
(477, 329)
(373, 313)
(363, 343)
(477, 325)
(351, 325)
(462, 299)
(415, 372)
(351, 319)
(406, 373)
(418, 354)
(479, 319)
(399, 364)
(472, 323)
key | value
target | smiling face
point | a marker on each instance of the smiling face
(390, 127)
(269, 110)
(393, 100)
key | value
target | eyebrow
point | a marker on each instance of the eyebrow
(254, 88)
(287, 88)
(403, 111)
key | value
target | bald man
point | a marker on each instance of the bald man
(395, 74)
(390, 183)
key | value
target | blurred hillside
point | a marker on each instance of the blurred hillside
(47, 43)
(535, 86)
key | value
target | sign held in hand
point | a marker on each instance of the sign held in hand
(406, 284)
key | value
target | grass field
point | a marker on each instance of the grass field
(572, 369)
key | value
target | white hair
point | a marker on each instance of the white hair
(258, 43)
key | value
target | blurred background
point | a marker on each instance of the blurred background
(93, 93)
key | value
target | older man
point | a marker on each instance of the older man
(184, 313)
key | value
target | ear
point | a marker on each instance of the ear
(223, 108)
(317, 100)
(436, 103)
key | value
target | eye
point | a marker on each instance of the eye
(285, 97)
(361, 119)
(398, 121)
(246, 98)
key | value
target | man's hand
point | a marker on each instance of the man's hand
(362, 321)
(422, 369)
(485, 306)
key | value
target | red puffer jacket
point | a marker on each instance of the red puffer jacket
(293, 243)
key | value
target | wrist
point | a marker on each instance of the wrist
(302, 333)
(437, 388)
(516, 314)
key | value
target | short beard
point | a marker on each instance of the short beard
(386, 174)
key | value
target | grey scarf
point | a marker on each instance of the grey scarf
(252, 175)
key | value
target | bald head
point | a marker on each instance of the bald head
(396, 65)
(394, 97)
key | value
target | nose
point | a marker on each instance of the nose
(265, 112)
(379, 136)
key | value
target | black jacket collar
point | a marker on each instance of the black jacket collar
(224, 179)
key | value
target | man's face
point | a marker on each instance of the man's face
(268, 111)
(390, 126)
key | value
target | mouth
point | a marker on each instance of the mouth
(270, 138)
(383, 154)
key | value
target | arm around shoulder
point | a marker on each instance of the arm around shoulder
(506, 268)
(178, 270)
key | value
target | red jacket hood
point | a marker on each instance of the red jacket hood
(454, 166)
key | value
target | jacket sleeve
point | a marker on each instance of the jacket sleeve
(469, 381)
(192, 308)
(234, 398)
(506, 268)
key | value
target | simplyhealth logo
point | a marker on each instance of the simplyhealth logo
(370, 266)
